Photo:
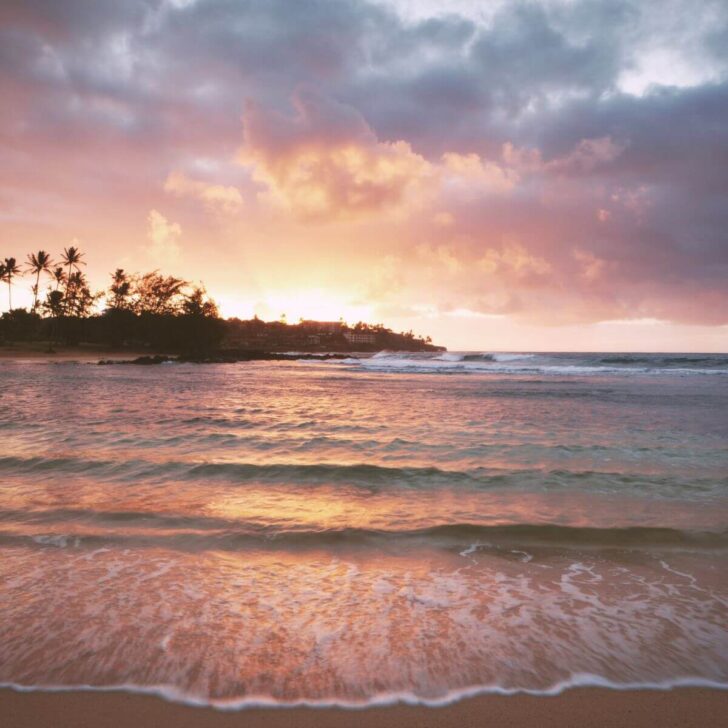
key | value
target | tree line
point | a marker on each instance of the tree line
(149, 309)
(157, 312)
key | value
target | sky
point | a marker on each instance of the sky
(546, 175)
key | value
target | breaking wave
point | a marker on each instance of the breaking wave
(539, 363)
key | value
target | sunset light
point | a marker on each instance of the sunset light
(361, 175)
(363, 363)
(317, 304)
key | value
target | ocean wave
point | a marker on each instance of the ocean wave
(383, 699)
(465, 357)
(362, 475)
(538, 363)
(680, 360)
(355, 474)
(196, 535)
(369, 477)
(511, 357)
(397, 365)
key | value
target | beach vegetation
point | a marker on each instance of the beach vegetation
(163, 314)
(9, 270)
(38, 263)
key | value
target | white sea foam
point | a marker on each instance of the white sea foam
(175, 695)
(471, 549)
(512, 357)
(372, 490)
(450, 356)
(59, 540)
(501, 608)
(509, 364)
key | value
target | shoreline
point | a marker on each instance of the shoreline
(133, 357)
(66, 353)
(587, 707)
(106, 356)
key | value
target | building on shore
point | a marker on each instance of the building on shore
(308, 335)
(323, 327)
(360, 337)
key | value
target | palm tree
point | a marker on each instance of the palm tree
(71, 257)
(79, 298)
(10, 270)
(38, 263)
(120, 290)
(58, 276)
(55, 302)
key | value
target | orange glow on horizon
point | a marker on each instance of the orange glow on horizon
(463, 215)
(303, 303)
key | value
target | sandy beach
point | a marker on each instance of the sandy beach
(38, 352)
(584, 707)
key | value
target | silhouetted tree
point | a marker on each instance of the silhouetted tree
(71, 258)
(78, 302)
(38, 263)
(10, 270)
(158, 294)
(53, 304)
(195, 304)
(19, 324)
(201, 328)
(118, 317)
(157, 311)
(120, 291)
(59, 276)
(78, 299)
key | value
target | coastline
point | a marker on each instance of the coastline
(586, 707)
(101, 355)
(65, 353)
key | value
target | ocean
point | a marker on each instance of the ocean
(401, 527)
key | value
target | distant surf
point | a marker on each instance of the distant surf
(539, 363)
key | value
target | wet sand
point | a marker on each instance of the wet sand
(38, 351)
(582, 707)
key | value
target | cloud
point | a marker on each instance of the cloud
(325, 162)
(471, 174)
(513, 260)
(217, 198)
(587, 156)
(550, 160)
(164, 238)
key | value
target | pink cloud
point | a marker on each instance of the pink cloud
(489, 176)
(218, 198)
(325, 162)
